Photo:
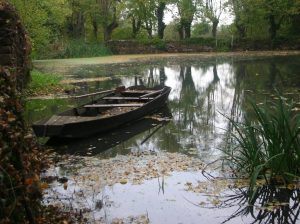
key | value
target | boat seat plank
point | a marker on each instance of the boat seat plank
(127, 98)
(114, 105)
(138, 91)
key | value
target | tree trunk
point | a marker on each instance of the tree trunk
(136, 26)
(95, 28)
(214, 27)
(240, 26)
(187, 30)
(108, 31)
(160, 16)
(273, 27)
(180, 31)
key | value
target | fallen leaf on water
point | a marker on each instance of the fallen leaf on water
(123, 181)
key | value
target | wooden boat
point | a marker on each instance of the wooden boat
(106, 113)
(101, 142)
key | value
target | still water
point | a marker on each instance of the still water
(204, 92)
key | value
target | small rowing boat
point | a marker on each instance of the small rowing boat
(119, 106)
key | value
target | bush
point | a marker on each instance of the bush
(156, 42)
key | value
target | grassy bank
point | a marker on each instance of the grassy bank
(45, 84)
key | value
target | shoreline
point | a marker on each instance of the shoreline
(115, 59)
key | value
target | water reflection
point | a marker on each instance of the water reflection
(268, 204)
(202, 92)
(145, 128)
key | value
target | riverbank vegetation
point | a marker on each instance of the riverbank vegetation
(64, 28)
(267, 145)
(45, 84)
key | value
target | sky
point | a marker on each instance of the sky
(171, 13)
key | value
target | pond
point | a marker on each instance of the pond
(150, 171)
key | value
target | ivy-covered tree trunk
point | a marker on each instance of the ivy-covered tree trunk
(95, 28)
(136, 26)
(19, 162)
(180, 30)
(187, 30)
(214, 27)
(108, 31)
(274, 26)
(160, 19)
(109, 27)
(76, 27)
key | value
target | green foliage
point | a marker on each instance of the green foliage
(43, 20)
(76, 49)
(122, 33)
(156, 42)
(44, 83)
(268, 147)
(200, 29)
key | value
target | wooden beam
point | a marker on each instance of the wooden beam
(127, 98)
(153, 93)
(113, 105)
(93, 94)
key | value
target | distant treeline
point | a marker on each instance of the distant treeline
(74, 28)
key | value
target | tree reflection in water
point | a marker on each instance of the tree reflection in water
(268, 204)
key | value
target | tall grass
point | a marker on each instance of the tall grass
(44, 83)
(74, 49)
(79, 49)
(268, 146)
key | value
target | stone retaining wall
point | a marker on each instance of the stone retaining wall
(135, 47)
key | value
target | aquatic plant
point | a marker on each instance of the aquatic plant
(268, 146)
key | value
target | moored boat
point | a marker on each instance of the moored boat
(118, 107)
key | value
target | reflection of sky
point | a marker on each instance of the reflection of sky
(172, 74)
(199, 123)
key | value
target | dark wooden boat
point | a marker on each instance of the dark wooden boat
(106, 113)
(98, 143)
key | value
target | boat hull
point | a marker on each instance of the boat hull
(87, 128)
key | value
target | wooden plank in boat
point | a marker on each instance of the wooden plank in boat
(114, 105)
(127, 98)
(138, 91)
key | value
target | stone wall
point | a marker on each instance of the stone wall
(135, 47)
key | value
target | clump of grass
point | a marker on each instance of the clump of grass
(44, 84)
(268, 146)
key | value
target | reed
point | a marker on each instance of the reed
(268, 146)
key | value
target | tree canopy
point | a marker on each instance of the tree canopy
(55, 22)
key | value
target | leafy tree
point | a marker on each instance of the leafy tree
(201, 28)
(44, 20)
(109, 19)
(159, 12)
(212, 10)
(186, 10)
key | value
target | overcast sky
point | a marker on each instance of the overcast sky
(172, 12)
